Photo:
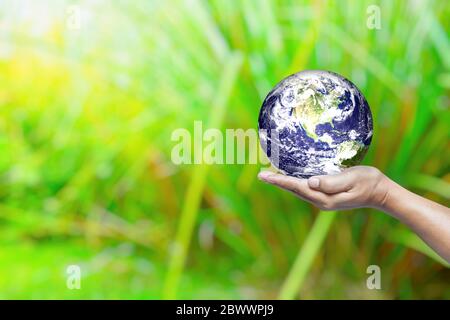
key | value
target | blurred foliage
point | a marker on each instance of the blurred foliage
(86, 117)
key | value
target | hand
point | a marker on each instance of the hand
(363, 186)
(356, 187)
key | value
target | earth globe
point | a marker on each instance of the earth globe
(315, 122)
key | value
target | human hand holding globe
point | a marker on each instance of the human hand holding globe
(317, 123)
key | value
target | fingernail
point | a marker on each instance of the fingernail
(264, 175)
(313, 182)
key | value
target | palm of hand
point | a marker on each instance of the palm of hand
(356, 187)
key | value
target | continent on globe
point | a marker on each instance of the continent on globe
(315, 122)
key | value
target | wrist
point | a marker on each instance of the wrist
(382, 193)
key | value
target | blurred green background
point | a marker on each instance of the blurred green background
(86, 114)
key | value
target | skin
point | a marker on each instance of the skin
(364, 186)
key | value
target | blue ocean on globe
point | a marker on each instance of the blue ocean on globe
(313, 123)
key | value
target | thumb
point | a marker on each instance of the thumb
(332, 183)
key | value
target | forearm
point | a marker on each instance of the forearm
(429, 220)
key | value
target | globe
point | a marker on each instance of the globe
(314, 123)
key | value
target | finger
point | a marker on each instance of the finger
(298, 186)
(285, 182)
(336, 183)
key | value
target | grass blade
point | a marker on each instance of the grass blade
(305, 258)
(195, 189)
